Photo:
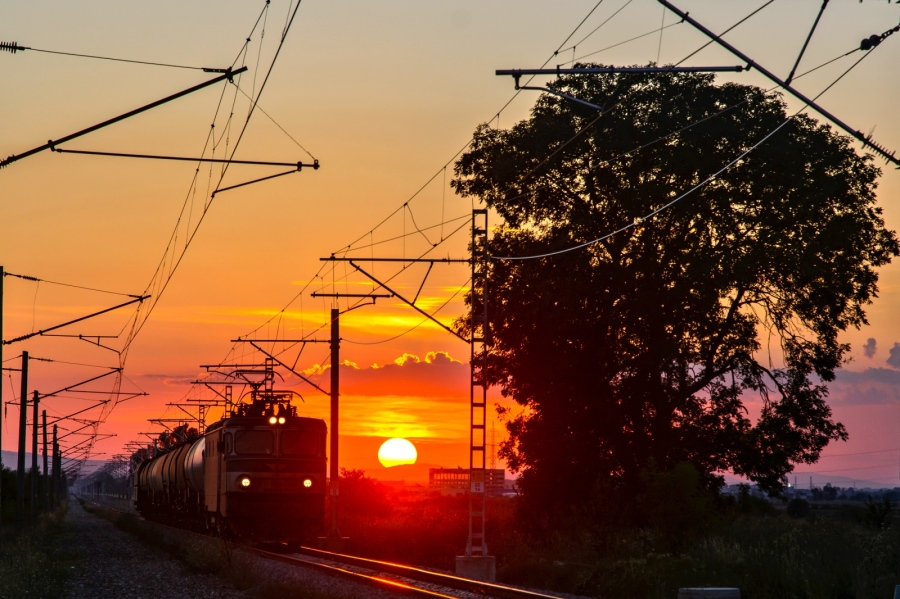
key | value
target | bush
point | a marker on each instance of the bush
(675, 504)
(798, 508)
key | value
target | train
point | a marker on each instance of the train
(257, 474)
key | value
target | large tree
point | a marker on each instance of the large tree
(644, 350)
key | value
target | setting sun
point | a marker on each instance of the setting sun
(395, 452)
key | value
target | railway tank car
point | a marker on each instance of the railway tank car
(259, 473)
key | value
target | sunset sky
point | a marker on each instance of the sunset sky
(384, 95)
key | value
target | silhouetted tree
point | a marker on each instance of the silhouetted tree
(646, 345)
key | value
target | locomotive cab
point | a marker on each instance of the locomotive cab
(265, 473)
(259, 472)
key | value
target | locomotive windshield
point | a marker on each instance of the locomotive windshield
(299, 442)
(254, 442)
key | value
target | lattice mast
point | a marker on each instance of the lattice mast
(478, 342)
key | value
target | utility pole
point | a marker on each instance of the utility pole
(20, 465)
(334, 534)
(2, 277)
(34, 455)
(45, 496)
(53, 484)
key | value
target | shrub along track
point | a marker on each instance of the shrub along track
(394, 578)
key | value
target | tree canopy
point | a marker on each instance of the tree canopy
(646, 349)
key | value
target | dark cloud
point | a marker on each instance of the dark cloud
(869, 347)
(170, 379)
(437, 375)
(894, 359)
(873, 386)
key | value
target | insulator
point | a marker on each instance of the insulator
(10, 47)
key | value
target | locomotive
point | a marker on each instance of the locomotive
(258, 473)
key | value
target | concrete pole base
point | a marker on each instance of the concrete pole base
(477, 567)
(709, 593)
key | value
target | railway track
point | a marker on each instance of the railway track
(391, 577)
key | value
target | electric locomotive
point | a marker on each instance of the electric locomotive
(259, 473)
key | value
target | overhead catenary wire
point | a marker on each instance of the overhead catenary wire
(495, 116)
(442, 170)
(407, 332)
(167, 266)
(622, 43)
(724, 32)
(39, 280)
(208, 204)
(13, 47)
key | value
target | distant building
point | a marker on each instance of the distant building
(452, 480)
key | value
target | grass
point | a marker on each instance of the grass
(33, 561)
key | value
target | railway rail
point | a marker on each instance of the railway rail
(392, 577)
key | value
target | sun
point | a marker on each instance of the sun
(395, 452)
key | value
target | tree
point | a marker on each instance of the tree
(648, 345)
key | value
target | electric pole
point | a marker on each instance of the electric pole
(333, 534)
(34, 455)
(20, 465)
(45, 496)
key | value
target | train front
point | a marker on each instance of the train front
(269, 473)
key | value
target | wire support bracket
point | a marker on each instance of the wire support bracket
(59, 326)
(400, 297)
(606, 70)
(299, 165)
(51, 144)
(866, 44)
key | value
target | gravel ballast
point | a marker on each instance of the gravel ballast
(115, 563)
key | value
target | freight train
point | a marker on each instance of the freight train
(258, 473)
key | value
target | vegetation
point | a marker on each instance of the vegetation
(837, 549)
(639, 351)
(36, 561)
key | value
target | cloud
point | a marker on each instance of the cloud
(173, 380)
(437, 375)
(894, 359)
(873, 386)
(869, 347)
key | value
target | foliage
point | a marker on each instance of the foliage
(877, 512)
(362, 497)
(798, 508)
(397, 524)
(676, 504)
(646, 345)
(767, 557)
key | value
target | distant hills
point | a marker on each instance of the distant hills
(820, 480)
(10, 460)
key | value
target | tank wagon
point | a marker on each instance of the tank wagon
(258, 473)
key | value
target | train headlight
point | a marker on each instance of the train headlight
(272, 420)
(281, 420)
(244, 482)
(307, 483)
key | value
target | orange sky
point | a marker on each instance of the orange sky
(383, 94)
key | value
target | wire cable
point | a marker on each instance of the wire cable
(724, 32)
(142, 62)
(441, 307)
(37, 280)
